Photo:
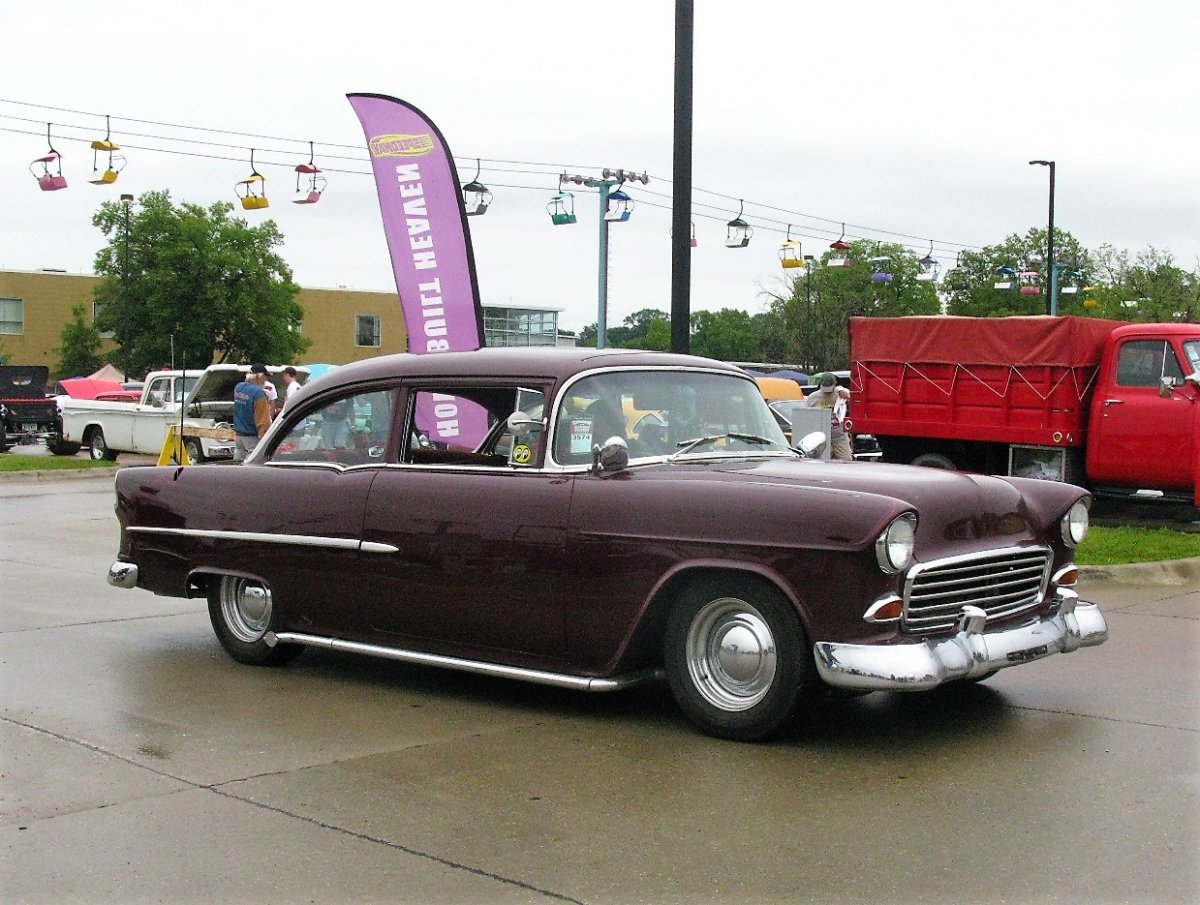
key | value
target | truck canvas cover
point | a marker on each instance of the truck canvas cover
(1060, 341)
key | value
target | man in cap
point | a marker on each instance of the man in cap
(835, 398)
(251, 412)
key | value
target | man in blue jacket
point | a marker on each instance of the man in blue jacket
(251, 412)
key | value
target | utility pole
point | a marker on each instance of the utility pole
(681, 196)
(609, 179)
(126, 335)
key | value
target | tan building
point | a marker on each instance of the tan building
(344, 325)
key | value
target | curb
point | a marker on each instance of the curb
(1171, 572)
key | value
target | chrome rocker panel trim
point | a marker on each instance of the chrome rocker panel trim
(479, 667)
(971, 653)
(261, 537)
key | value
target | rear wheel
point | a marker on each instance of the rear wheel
(736, 657)
(242, 611)
(935, 460)
(99, 448)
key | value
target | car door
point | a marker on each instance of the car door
(1140, 438)
(480, 536)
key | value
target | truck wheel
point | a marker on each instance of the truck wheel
(736, 657)
(934, 460)
(242, 611)
(195, 451)
(99, 449)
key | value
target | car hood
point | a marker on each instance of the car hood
(217, 381)
(952, 506)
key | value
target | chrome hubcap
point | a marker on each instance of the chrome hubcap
(246, 608)
(731, 654)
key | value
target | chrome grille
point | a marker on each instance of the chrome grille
(1002, 583)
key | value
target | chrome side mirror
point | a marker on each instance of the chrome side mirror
(521, 424)
(812, 446)
(613, 455)
(1166, 386)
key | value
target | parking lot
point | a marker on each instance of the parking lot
(141, 764)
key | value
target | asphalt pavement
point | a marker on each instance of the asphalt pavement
(140, 764)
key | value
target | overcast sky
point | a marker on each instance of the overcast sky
(915, 119)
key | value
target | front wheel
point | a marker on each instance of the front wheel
(195, 452)
(242, 611)
(736, 657)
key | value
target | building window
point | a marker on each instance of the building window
(519, 326)
(97, 307)
(12, 316)
(367, 330)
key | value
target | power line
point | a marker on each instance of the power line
(790, 222)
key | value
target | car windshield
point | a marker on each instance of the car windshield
(665, 413)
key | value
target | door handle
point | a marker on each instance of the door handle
(1108, 402)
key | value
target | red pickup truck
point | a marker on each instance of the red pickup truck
(1107, 404)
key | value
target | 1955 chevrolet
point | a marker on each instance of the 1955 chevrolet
(591, 519)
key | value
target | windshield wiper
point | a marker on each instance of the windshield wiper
(686, 446)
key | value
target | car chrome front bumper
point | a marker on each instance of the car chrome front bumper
(970, 654)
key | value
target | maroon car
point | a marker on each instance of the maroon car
(590, 519)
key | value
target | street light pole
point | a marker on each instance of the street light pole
(1052, 301)
(127, 201)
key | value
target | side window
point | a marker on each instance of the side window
(468, 426)
(159, 391)
(350, 430)
(1144, 362)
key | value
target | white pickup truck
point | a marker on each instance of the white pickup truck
(110, 428)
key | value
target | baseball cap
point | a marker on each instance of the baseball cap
(827, 380)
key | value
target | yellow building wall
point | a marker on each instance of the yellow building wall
(330, 319)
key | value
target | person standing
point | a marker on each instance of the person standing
(251, 412)
(835, 398)
(292, 385)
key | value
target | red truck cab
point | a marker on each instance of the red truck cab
(1145, 412)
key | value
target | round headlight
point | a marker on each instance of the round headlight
(894, 547)
(1074, 524)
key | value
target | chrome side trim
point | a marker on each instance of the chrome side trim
(299, 540)
(123, 575)
(970, 653)
(479, 667)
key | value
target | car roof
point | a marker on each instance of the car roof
(526, 361)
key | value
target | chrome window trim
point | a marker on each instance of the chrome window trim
(552, 464)
(297, 540)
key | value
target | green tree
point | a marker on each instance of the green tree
(1146, 288)
(809, 317)
(727, 335)
(970, 287)
(198, 278)
(79, 354)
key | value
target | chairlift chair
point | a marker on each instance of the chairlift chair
(790, 255)
(738, 231)
(619, 207)
(841, 251)
(476, 196)
(879, 273)
(49, 181)
(309, 181)
(562, 208)
(1072, 278)
(116, 162)
(929, 267)
(1008, 278)
(253, 190)
(1029, 282)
